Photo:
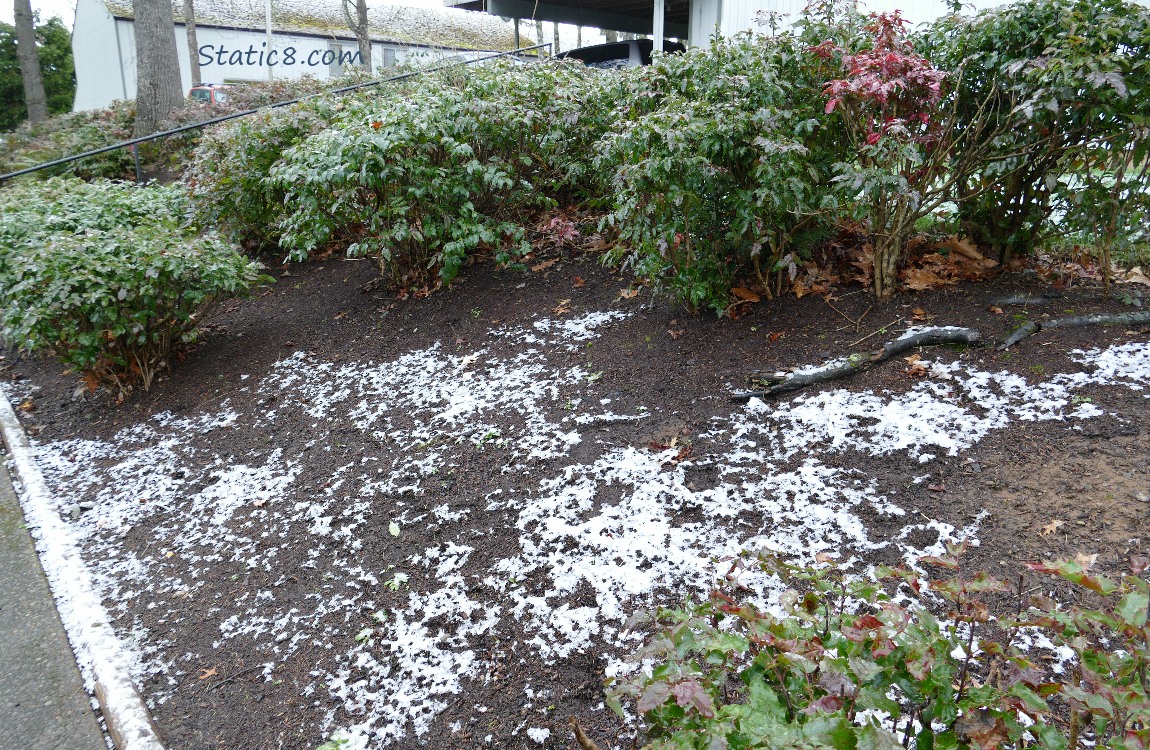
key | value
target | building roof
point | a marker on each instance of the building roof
(428, 27)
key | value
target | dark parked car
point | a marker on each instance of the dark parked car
(629, 54)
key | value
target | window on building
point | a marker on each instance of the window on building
(336, 68)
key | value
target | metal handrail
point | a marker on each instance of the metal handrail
(245, 113)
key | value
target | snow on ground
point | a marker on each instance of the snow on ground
(628, 525)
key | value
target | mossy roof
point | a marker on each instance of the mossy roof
(432, 27)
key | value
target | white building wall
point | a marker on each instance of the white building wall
(105, 56)
(741, 15)
(100, 78)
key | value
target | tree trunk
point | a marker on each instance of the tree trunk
(193, 45)
(612, 36)
(886, 257)
(539, 37)
(358, 27)
(555, 38)
(578, 36)
(158, 87)
(34, 98)
(891, 234)
(362, 35)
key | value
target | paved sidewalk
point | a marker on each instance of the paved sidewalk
(43, 705)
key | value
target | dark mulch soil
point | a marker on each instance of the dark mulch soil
(1023, 479)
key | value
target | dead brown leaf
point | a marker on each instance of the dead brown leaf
(744, 294)
(564, 306)
(628, 293)
(1054, 525)
(578, 282)
(920, 279)
(965, 247)
(776, 336)
(1085, 560)
(675, 332)
(982, 729)
(1134, 276)
(544, 265)
(995, 309)
(208, 673)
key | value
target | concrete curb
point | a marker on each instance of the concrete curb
(97, 649)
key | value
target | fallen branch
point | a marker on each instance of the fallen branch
(581, 737)
(1098, 319)
(781, 382)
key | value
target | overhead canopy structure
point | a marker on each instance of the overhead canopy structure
(633, 16)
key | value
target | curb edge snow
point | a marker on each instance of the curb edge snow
(87, 623)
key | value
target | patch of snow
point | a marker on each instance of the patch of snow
(620, 530)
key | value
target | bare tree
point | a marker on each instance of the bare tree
(193, 45)
(358, 26)
(34, 98)
(612, 36)
(539, 37)
(578, 36)
(555, 35)
(158, 86)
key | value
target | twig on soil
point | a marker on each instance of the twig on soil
(781, 382)
(1099, 319)
(876, 332)
(856, 323)
(237, 675)
(581, 737)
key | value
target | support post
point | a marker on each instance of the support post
(657, 25)
(268, 25)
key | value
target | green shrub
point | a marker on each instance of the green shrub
(719, 161)
(1058, 80)
(227, 178)
(69, 134)
(422, 181)
(77, 132)
(109, 280)
(847, 664)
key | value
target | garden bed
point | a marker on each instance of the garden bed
(428, 520)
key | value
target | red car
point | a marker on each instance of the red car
(210, 93)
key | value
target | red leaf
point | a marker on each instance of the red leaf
(691, 693)
(654, 696)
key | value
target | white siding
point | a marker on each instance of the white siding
(100, 80)
(106, 72)
(741, 15)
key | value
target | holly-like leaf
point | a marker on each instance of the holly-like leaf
(654, 696)
(1132, 609)
(691, 694)
(1075, 573)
